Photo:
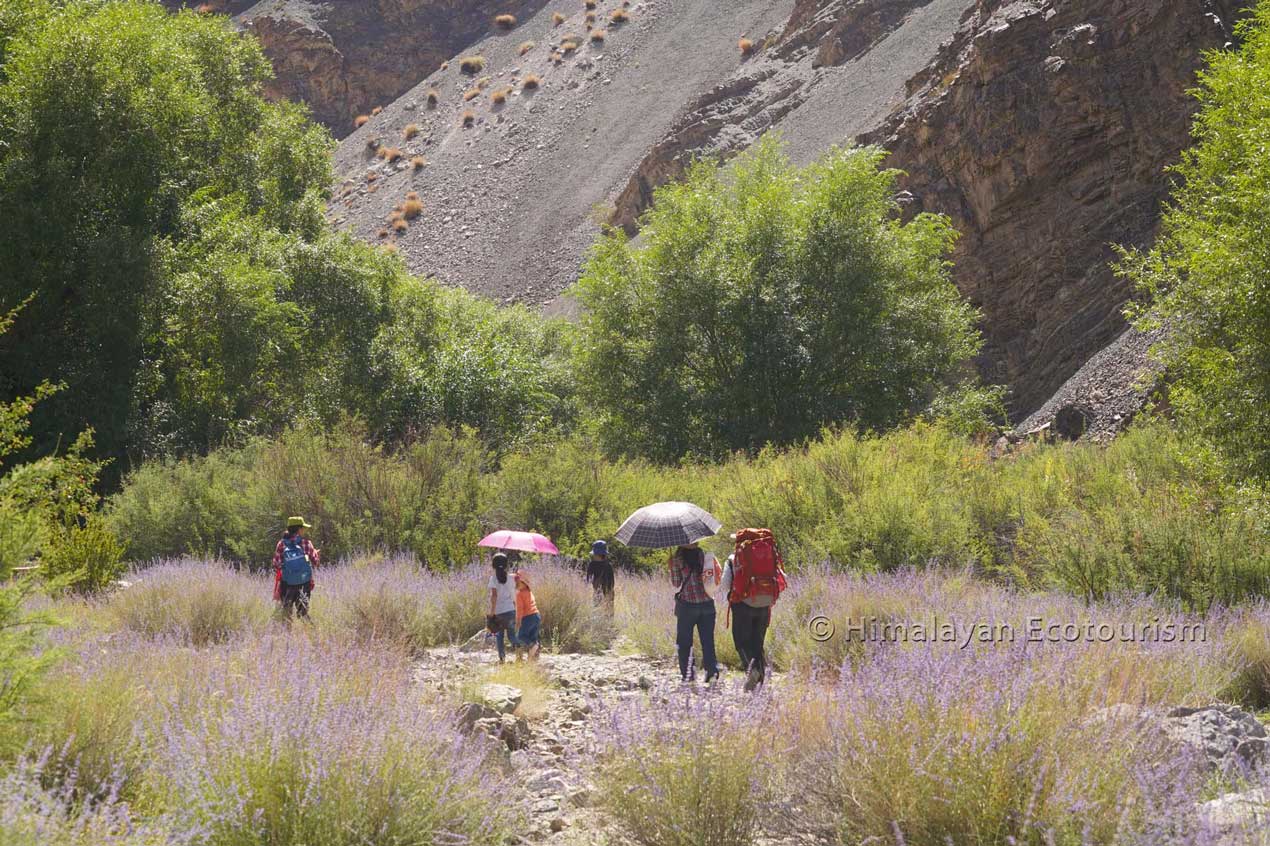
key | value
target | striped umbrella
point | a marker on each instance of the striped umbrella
(667, 524)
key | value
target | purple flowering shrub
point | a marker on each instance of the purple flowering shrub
(682, 767)
(281, 739)
(199, 602)
(393, 600)
(32, 814)
(935, 745)
(402, 603)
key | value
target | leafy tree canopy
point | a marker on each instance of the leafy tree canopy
(1208, 276)
(165, 225)
(766, 301)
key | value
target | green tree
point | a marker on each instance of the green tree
(767, 301)
(449, 357)
(1207, 278)
(114, 116)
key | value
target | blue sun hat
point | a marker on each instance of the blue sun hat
(600, 548)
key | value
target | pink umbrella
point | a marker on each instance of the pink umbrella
(524, 541)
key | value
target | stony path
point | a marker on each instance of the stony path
(539, 748)
(543, 747)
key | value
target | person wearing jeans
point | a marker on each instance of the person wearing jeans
(501, 620)
(690, 568)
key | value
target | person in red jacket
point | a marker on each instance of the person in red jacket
(294, 560)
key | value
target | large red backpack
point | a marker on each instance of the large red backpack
(757, 568)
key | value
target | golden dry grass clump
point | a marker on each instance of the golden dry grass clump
(590, 4)
(471, 94)
(557, 19)
(390, 248)
(445, 65)
(505, 21)
(361, 120)
(371, 176)
(590, 17)
(411, 130)
(568, 46)
(418, 162)
(400, 225)
(472, 65)
(376, 110)
(619, 16)
(469, 118)
(598, 36)
(389, 154)
(434, 97)
(483, 82)
(499, 96)
(531, 82)
(525, 47)
(746, 46)
(411, 209)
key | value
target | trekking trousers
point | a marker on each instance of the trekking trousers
(698, 616)
(296, 598)
(749, 631)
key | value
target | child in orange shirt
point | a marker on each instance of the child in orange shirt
(528, 620)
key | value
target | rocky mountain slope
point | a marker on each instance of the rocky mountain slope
(346, 57)
(1042, 127)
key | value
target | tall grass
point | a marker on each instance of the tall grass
(926, 744)
(194, 602)
(295, 739)
(33, 814)
(1142, 514)
(683, 768)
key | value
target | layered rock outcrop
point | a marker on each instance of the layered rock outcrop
(1044, 129)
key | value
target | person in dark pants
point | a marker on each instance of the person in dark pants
(599, 572)
(294, 559)
(749, 619)
(696, 574)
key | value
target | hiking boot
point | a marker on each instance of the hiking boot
(712, 675)
(753, 679)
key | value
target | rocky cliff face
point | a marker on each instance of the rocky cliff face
(1044, 129)
(344, 57)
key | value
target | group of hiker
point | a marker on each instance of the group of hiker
(513, 613)
(750, 580)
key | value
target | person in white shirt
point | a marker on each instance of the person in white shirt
(501, 620)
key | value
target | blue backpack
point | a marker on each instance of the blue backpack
(296, 569)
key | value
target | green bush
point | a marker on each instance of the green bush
(23, 660)
(85, 560)
(1144, 512)
(690, 772)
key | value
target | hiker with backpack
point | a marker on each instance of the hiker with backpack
(293, 561)
(753, 579)
(501, 619)
(599, 572)
(695, 573)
